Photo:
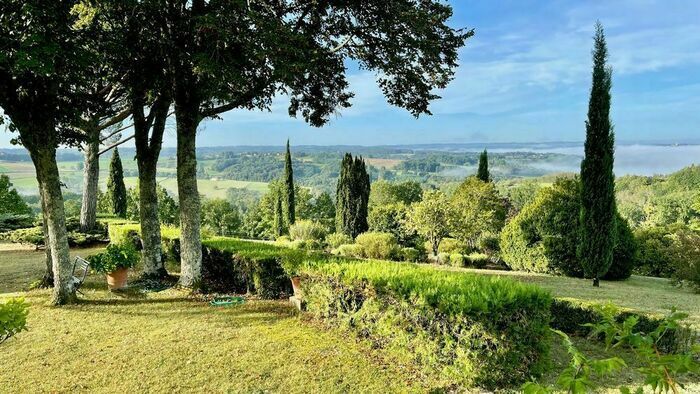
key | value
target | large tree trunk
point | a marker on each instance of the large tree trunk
(150, 224)
(147, 152)
(190, 210)
(91, 177)
(46, 280)
(52, 202)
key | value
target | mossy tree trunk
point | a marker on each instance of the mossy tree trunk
(44, 159)
(186, 113)
(148, 147)
(47, 279)
(91, 177)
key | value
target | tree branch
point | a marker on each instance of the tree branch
(107, 149)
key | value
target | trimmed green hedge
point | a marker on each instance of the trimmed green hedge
(470, 329)
(233, 265)
(570, 316)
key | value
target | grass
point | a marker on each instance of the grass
(171, 341)
(208, 187)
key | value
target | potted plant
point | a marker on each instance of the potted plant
(115, 262)
(291, 263)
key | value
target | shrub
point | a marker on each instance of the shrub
(116, 256)
(307, 230)
(451, 245)
(686, 257)
(575, 317)
(443, 258)
(624, 252)
(35, 235)
(350, 250)
(336, 239)
(543, 237)
(11, 221)
(120, 233)
(457, 260)
(478, 260)
(391, 218)
(411, 254)
(377, 245)
(470, 329)
(13, 318)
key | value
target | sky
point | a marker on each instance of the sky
(523, 77)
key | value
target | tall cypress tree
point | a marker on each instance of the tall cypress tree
(289, 205)
(115, 185)
(352, 196)
(483, 172)
(279, 217)
(597, 217)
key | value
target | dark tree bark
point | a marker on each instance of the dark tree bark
(91, 177)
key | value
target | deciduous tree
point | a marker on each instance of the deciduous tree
(431, 217)
(229, 55)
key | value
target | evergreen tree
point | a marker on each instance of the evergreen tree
(483, 172)
(289, 187)
(597, 216)
(279, 217)
(115, 186)
(352, 196)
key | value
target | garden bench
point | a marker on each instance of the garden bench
(80, 271)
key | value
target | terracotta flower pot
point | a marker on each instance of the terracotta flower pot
(296, 285)
(117, 279)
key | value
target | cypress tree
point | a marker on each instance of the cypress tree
(352, 196)
(597, 216)
(279, 217)
(115, 185)
(483, 172)
(289, 187)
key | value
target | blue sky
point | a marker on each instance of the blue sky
(523, 77)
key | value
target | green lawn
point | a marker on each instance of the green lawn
(171, 341)
(208, 187)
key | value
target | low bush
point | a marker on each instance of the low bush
(120, 233)
(13, 318)
(574, 317)
(349, 250)
(378, 245)
(336, 239)
(307, 230)
(411, 254)
(10, 222)
(451, 245)
(35, 236)
(114, 257)
(478, 260)
(443, 258)
(469, 329)
(457, 260)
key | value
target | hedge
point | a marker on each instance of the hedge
(570, 316)
(233, 265)
(470, 329)
(35, 235)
